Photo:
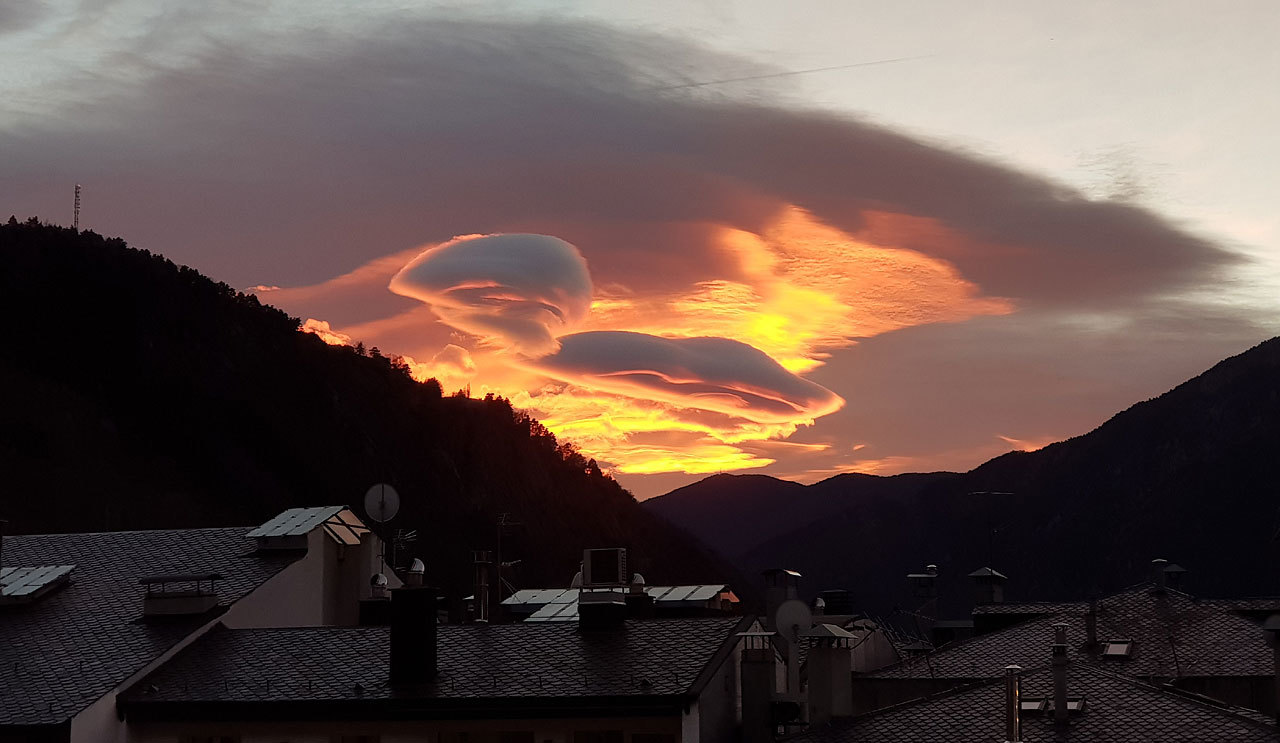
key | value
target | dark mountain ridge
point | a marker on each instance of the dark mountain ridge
(140, 394)
(1190, 476)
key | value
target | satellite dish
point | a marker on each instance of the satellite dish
(792, 617)
(382, 503)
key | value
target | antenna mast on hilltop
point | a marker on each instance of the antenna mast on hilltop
(76, 223)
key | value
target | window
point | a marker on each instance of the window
(1075, 704)
(1032, 704)
(1117, 648)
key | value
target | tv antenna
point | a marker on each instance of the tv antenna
(382, 503)
(76, 222)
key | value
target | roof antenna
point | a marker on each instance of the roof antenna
(76, 224)
(382, 503)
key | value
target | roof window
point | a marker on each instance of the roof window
(24, 585)
(1117, 648)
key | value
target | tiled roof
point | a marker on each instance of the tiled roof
(67, 649)
(1173, 636)
(1031, 607)
(1116, 709)
(342, 664)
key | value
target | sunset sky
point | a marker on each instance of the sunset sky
(797, 239)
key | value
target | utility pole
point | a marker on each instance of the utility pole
(76, 222)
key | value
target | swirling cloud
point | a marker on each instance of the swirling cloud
(715, 374)
(515, 291)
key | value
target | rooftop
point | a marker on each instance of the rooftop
(66, 649)
(1173, 635)
(1116, 708)
(349, 665)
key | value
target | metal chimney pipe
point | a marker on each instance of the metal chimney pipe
(1060, 673)
(481, 592)
(1012, 705)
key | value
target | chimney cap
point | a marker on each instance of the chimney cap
(378, 580)
(417, 567)
(988, 573)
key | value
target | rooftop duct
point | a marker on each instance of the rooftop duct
(195, 594)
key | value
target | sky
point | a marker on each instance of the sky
(796, 239)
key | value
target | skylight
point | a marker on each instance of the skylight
(1117, 649)
(1033, 704)
(22, 585)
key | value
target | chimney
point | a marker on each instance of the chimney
(480, 593)
(640, 604)
(830, 673)
(780, 585)
(1158, 575)
(602, 598)
(413, 576)
(926, 583)
(758, 674)
(1272, 627)
(413, 635)
(988, 586)
(1060, 673)
(1012, 705)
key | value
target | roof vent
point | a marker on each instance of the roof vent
(601, 602)
(195, 594)
(25, 585)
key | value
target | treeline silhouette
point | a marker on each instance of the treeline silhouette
(141, 394)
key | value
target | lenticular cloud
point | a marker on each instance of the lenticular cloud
(716, 374)
(516, 291)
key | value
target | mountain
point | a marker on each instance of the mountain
(140, 394)
(1190, 476)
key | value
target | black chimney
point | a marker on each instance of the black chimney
(413, 635)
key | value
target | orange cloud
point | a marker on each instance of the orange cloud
(791, 292)
(325, 333)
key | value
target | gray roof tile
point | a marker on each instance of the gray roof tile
(653, 657)
(1174, 636)
(74, 645)
(1116, 709)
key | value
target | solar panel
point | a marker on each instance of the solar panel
(678, 593)
(704, 593)
(657, 592)
(295, 522)
(21, 584)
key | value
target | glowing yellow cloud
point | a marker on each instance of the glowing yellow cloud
(798, 290)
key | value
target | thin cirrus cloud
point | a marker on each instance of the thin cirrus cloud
(837, 248)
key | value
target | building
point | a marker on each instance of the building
(1149, 632)
(83, 616)
(1101, 706)
(650, 681)
(291, 631)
